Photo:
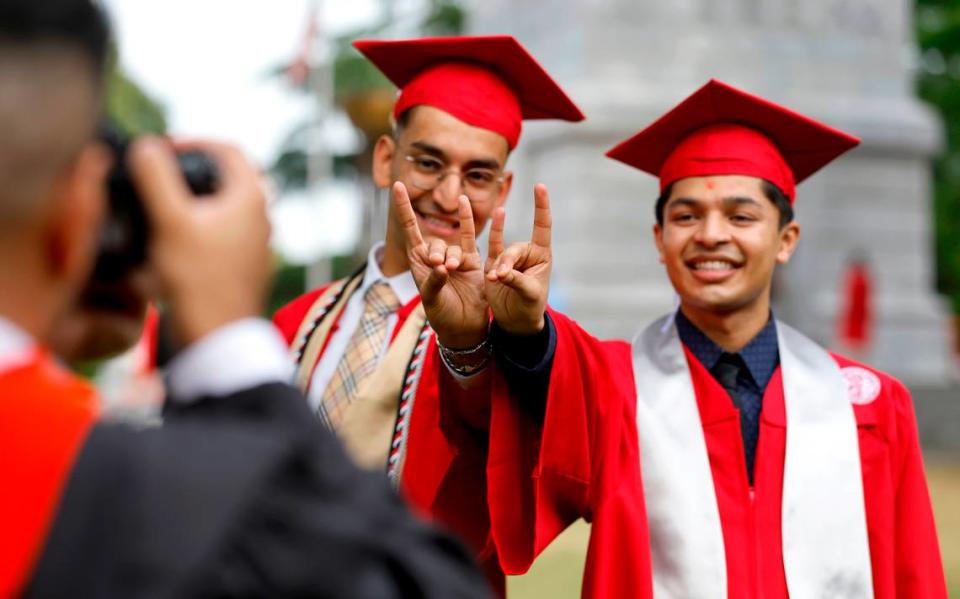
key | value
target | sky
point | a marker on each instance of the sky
(208, 62)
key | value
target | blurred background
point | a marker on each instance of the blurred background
(877, 275)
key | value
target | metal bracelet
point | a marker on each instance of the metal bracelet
(466, 362)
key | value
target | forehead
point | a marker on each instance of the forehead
(456, 139)
(718, 187)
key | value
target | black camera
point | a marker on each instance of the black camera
(125, 233)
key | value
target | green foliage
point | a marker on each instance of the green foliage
(291, 280)
(353, 75)
(131, 108)
(938, 82)
(446, 18)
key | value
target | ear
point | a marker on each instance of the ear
(383, 154)
(789, 238)
(77, 209)
(658, 240)
(504, 189)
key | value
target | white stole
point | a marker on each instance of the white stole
(825, 546)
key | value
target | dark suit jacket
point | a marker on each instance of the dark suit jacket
(240, 496)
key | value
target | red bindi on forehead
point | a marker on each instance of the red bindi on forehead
(710, 184)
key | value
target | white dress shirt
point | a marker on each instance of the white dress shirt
(242, 354)
(404, 288)
(16, 346)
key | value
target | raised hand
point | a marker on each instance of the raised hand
(517, 278)
(450, 278)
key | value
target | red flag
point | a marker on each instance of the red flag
(856, 318)
(298, 71)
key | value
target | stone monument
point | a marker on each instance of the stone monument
(846, 62)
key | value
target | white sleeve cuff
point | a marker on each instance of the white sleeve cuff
(237, 356)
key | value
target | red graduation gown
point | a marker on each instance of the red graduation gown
(45, 415)
(442, 474)
(590, 426)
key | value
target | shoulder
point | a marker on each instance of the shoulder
(611, 355)
(866, 384)
(289, 317)
(877, 397)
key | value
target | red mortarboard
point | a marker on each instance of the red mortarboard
(490, 82)
(720, 130)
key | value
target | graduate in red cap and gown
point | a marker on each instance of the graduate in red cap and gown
(365, 353)
(766, 466)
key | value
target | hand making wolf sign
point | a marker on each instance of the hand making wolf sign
(518, 277)
(455, 287)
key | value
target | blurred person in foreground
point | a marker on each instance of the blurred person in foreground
(722, 450)
(239, 493)
(365, 354)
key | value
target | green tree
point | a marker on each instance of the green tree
(131, 108)
(938, 82)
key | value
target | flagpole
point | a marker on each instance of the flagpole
(319, 161)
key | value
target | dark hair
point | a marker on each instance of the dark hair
(402, 122)
(773, 193)
(79, 24)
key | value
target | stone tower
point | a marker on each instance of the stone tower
(846, 62)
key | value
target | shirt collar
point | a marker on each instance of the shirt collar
(761, 355)
(16, 345)
(402, 284)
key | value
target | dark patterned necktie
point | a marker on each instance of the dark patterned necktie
(727, 372)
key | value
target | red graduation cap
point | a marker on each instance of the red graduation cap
(490, 82)
(721, 130)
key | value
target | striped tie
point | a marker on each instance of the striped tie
(362, 354)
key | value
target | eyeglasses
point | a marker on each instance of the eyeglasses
(478, 184)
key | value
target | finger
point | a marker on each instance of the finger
(526, 287)
(157, 177)
(542, 221)
(454, 257)
(495, 243)
(433, 284)
(509, 258)
(468, 232)
(437, 252)
(408, 218)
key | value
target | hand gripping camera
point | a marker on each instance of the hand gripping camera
(125, 235)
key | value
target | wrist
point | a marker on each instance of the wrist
(461, 340)
(523, 329)
(467, 361)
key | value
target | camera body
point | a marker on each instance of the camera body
(125, 235)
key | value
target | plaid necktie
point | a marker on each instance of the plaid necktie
(362, 354)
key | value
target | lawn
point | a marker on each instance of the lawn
(557, 573)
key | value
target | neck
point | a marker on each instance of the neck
(732, 330)
(394, 255)
(29, 311)
(31, 299)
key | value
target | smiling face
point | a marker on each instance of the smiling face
(720, 241)
(432, 142)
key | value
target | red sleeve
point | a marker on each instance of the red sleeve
(541, 474)
(289, 318)
(919, 569)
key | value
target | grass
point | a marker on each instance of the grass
(557, 573)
